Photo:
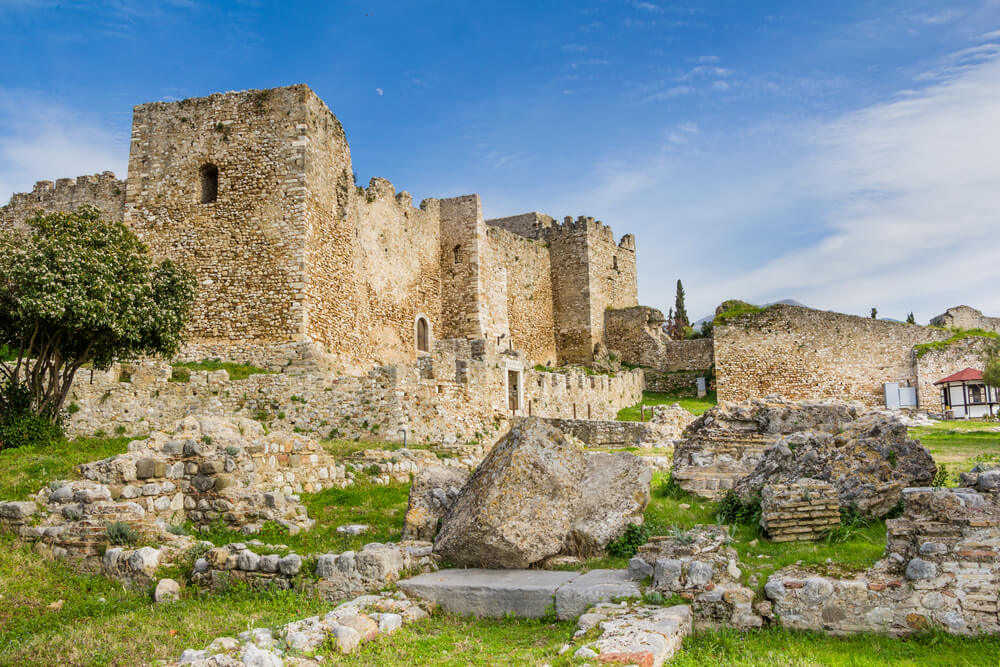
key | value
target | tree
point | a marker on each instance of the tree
(991, 359)
(80, 290)
(680, 312)
(874, 313)
(910, 319)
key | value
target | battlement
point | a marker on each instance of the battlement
(104, 190)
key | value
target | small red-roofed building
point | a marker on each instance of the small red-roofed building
(966, 396)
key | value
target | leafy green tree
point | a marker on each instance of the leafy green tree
(874, 313)
(910, 319)
(991, 357)
(80, 290)
(680, 311)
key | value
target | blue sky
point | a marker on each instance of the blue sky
(845, 154)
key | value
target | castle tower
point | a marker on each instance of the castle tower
(590, 274)
(231, 186)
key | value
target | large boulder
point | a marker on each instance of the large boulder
(539, 494)
(869, 462)
(433, 491)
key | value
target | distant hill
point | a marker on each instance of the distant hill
(709, 318)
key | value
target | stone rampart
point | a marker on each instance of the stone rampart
(103, 191)
(966, 317)
(803, 354)
(455, 394)
(941, 571)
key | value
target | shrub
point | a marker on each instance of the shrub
(19, 425)
(940, 477)
(669, 488)
(121, 534)
(634, 537)
(733, 509)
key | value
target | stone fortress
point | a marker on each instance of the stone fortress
(255, 192)
(433, 314)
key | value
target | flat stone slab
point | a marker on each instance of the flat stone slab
(521, 593)
(577, 595)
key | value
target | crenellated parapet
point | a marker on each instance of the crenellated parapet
(104, 191)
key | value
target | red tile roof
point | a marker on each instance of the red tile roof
(968, 375)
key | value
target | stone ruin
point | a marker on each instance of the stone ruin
(942, 570)
(727, 442)
(869, 462)
(699, 566)
(538, 494)
(866, 455)
(802, 510)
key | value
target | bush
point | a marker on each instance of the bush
(121, 534)
(19, 426)
(633, 538)
(733, 509)
(669, 488)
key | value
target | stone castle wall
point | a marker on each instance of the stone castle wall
(639, 339)
(101, 190)
(246, 248)
(526, 266)
(288, 250)
(802, 354)
(966, 317)
(459, 393)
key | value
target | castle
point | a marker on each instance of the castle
(255, 192)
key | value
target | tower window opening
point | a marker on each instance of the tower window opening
(209, 183)
(423, 336)
(458, 254)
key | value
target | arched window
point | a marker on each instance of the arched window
(209, 183)
(458, 254)
(423, 336)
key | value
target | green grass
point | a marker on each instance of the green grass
(342, 449)
(862, 548)
(959, 445)
(236, 371)
(448, 640)
(959, 334)
(785, 648)
(381, 507)
(690, 403)
(127, 628)
(25, 470)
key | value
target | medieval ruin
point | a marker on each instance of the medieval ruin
(484, 364)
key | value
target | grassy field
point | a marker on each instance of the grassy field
(25, 470)
(960, 445)
(380, 506)
(182, 369)
(100, 623)
(690, 403)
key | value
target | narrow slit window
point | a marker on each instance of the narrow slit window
(423, 336)
(458, 254)
(209, 183)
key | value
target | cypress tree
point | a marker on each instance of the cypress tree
(680, 312)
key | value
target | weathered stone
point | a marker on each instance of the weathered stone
(167, 590)
(918, 568)
(577, 595)
(290, 565)
(490, 593)
(536, 495)
(429, 500)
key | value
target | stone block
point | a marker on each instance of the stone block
(577, 595)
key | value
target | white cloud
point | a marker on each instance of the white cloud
(41, 140)
(913, 196)
(379, 92)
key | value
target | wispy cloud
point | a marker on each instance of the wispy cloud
(41, 140)
(913, 202)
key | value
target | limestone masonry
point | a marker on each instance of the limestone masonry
(255, 192)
